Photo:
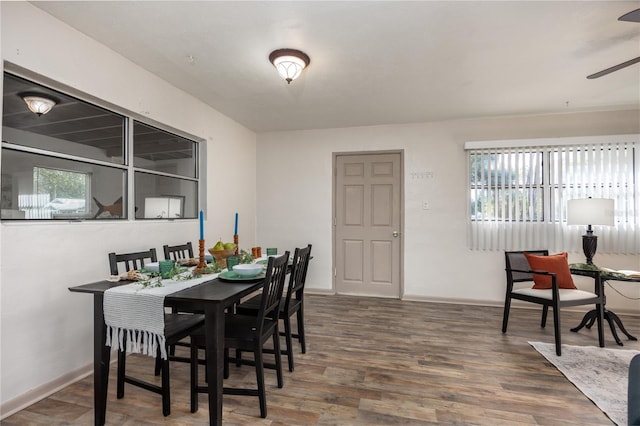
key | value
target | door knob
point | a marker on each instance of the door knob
(395, 234)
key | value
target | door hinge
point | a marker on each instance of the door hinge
(334, 221)
(335, 272)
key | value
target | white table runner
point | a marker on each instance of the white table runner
(134, 315)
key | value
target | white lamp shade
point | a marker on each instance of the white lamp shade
(591, 211)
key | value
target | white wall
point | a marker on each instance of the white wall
(46, 331)
(437, 263)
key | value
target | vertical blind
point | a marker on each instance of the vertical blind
(518, 193)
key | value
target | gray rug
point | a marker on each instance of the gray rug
(602, 374)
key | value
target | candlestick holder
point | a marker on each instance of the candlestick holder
(235, 241)
(202, 263)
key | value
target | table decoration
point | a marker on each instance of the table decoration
(235, 234)
(232, 276)
(202, 263)
(245, 257)
(134, 313)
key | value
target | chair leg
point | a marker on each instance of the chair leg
(301, 338)
(158, 366)
(278, 357)
(194, 378)
(505, 315)
(226, 363)
(166, 394)
(545, 310)
(289, 344)
(238, 357)
(556, 329)
(121, 372)
(260, 379)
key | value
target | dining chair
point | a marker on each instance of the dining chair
(178, 252)
(176, 327)
(131, 261)
(249, 332)
(553, 288)
(293, 305)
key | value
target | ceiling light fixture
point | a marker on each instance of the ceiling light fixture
(38, 103)
(289, 63)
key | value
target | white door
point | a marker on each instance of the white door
(367, 224)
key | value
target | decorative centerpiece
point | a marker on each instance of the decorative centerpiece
(221, 251)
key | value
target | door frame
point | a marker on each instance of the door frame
(334, 157)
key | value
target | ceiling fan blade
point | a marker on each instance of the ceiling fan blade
(614, 68)
(633, 16)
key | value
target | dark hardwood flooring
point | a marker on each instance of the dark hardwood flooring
(376, 362)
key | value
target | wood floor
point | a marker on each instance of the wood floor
(376, 362)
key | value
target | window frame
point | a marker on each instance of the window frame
(128, 142)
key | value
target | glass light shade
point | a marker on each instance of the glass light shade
(591, 211)
(38, 104)
(289, 63)
(289, 67)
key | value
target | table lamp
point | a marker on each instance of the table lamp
(590, 211)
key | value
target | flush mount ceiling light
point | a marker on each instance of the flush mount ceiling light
(38, 103)
(289, 63)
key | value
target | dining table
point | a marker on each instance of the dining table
(211, 297)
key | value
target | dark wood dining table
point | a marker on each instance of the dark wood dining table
(211, 297)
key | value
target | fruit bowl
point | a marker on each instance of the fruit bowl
(248, 269)
(220, 256)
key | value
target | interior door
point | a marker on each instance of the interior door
(367, 223)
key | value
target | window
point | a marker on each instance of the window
(518, 194)
(165, 173)
(72, 162)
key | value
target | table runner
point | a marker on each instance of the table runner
(134, 315)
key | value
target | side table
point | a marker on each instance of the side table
(590, 317)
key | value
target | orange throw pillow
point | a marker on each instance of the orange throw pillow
(555, 263)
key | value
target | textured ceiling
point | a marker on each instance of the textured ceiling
(376, 62)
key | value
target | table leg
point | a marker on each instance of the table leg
(101, 358)
(612, 319)
(587, 321)
(619, 322)
(214, 338)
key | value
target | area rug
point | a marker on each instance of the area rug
(601, 374)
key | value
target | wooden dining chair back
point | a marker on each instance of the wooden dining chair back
(250, 333)
(176, 327)
(177, 252)
(518, 271)
(131, 261)
(181, 251)
(293, 304)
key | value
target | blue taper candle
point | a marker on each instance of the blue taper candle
(235, 230)
(201, 225)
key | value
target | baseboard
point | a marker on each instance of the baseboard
(500, 304)
(43, 391)
(456, 301)
(319, 291)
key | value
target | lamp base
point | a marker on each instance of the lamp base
(589, 245)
